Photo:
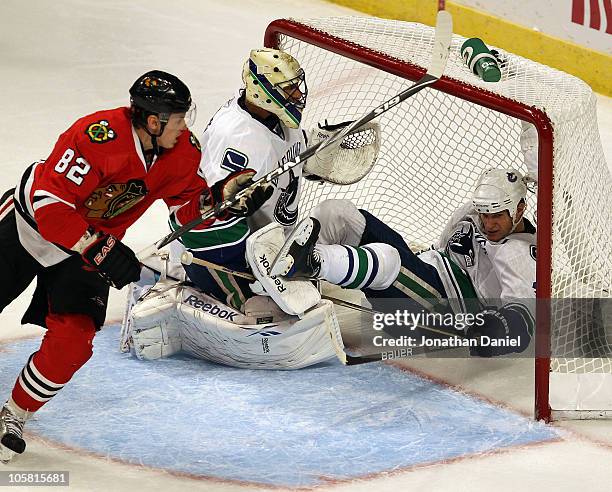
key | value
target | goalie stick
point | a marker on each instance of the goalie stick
(439, 57)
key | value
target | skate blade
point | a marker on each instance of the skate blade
(283, 262)
(6, 455)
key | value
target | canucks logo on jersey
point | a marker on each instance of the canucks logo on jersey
(234, 160)
(286, 210)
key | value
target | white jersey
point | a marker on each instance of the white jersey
(234, 140)
(504, 270)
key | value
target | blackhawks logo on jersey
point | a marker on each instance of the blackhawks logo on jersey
(115, 198)
(100, 132)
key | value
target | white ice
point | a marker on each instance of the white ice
(61, 60)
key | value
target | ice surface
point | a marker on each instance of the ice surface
(61, 60)
(288, 428)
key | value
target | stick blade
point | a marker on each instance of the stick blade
(442, 43)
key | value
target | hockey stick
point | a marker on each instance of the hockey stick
(439, 57)
(334, 332)
(400, 353)
(187, 258)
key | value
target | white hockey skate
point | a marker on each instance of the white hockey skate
(11, 434)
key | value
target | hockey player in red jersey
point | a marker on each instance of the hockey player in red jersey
(64, 222)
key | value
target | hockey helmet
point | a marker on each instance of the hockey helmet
(161, 94)
(275, 82)
(498, 190)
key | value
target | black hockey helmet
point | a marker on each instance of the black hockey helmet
(159, 93)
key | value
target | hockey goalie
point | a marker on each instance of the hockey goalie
(270, 323)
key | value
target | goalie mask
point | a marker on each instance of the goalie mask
(275, 82)
(498, 190)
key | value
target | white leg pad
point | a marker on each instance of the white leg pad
(291, 343)
(155, 333)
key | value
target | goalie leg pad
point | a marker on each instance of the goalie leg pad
(292, 296)
(289, 343)
(155, 333)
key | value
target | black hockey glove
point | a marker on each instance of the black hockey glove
(115, 262)
(461, 243)
(235, 182)
(501, 331)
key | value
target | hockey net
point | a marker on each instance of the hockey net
(436, 144)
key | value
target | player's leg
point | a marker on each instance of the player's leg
(75, 308)
(354, 249)
(18, 268)
(341, 223)
(415, 278)
(327, 247)
(229, 289)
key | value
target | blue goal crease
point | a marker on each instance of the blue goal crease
(282, 428)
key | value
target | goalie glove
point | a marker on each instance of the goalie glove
(502, 331)
(319, 164)
(114, 261)
(346, 160)
(232, 184)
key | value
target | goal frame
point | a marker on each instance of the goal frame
(481, 97)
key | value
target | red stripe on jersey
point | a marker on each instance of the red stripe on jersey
(8, 204)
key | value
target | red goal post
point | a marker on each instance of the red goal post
(335, 53)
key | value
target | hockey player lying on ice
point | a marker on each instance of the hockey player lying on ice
(483, 264)
(476, 257)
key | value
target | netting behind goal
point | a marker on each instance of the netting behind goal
(437, 143)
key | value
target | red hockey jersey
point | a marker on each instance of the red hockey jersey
(96, 175)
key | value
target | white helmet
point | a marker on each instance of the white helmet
(498, 190)
(269, 76)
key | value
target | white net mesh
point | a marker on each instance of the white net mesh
(435, 146)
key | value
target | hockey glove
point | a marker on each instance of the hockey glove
(461, 244)
(501, 331)
(115, 262)
(250, 202)
(320, 165)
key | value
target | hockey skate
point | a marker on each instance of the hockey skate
(298, 258)
(11, 434)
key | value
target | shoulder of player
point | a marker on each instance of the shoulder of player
(188, 148)
(520, 240)
(235, 123)
(240, 135)
(516, 245)
(103, 130)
